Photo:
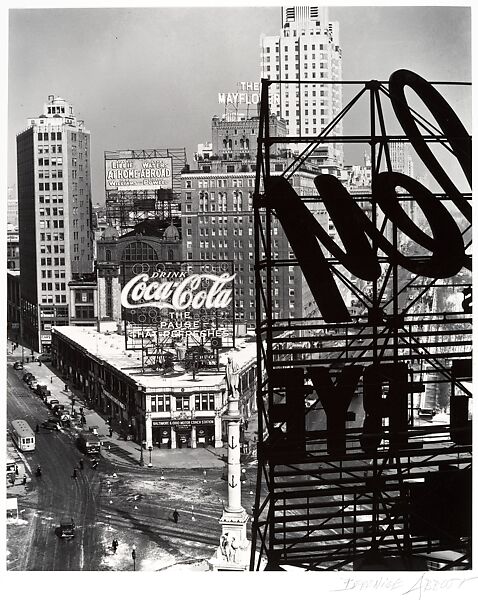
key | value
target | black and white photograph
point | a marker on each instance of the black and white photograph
(238, 296)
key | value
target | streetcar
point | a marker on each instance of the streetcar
(23, 435)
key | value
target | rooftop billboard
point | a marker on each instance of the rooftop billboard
(138, 174)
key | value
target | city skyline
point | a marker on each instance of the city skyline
(112, 66)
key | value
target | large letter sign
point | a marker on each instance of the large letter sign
(445, 247)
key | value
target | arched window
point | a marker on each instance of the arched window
(138, 251)
(108, 255)
(170, 254)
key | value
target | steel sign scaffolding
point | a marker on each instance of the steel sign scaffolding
(364, 435)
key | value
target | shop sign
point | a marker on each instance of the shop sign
(114, 399)
(156, 423)
(202, 421)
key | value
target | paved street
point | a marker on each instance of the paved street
(119, 500)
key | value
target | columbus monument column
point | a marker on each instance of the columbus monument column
(234, 549)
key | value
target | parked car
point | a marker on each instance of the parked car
(53, 424)
(51, 402)
(58, 407)
(44, 358)
(42, 390)
(32, 383)
(27, 376)
(18, 365)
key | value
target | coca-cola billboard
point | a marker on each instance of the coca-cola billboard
(174, 303)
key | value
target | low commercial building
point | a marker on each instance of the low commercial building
(170, 408)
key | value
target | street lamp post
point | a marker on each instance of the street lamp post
(133, 556)
(150, 448)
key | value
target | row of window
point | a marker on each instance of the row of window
(53, 161)
(304, 47)
(54, 135)
(54, 149)
(53, 174)
(58, 298)
(221, 183)
(163, 402)
(48, 262)
(53, 223)
(56, 236)
(55, 212)
(48, 287)
(55, 249)
(84, 312)
(55, 186)
(48, 274)
(54, 199)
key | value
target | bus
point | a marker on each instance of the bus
(23, 435)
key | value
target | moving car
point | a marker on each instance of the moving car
(88, 443)
(66, 530)
(18, 365)
(53, 424)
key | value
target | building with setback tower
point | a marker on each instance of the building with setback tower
(306, 52)
(54, 210)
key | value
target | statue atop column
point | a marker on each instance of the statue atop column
(232, 377)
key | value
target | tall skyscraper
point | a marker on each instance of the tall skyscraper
(55, 220)
(307, 50)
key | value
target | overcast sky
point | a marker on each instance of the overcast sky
(149, 77)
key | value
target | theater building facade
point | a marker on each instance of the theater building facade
(174, 410)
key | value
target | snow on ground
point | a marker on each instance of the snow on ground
(13, 521)
(148, 558)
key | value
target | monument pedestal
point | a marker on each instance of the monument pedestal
(234, 552)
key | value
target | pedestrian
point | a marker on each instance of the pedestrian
(51, 379)
(37, 428)
(16, 470)
(83, 420)
(111, 432)
(24, 480)
(75, 474)
(81, 464)
(115, 545)
(81, 410)
(175, 516)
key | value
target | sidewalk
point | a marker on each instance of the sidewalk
(117, 450)
(120, 451)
